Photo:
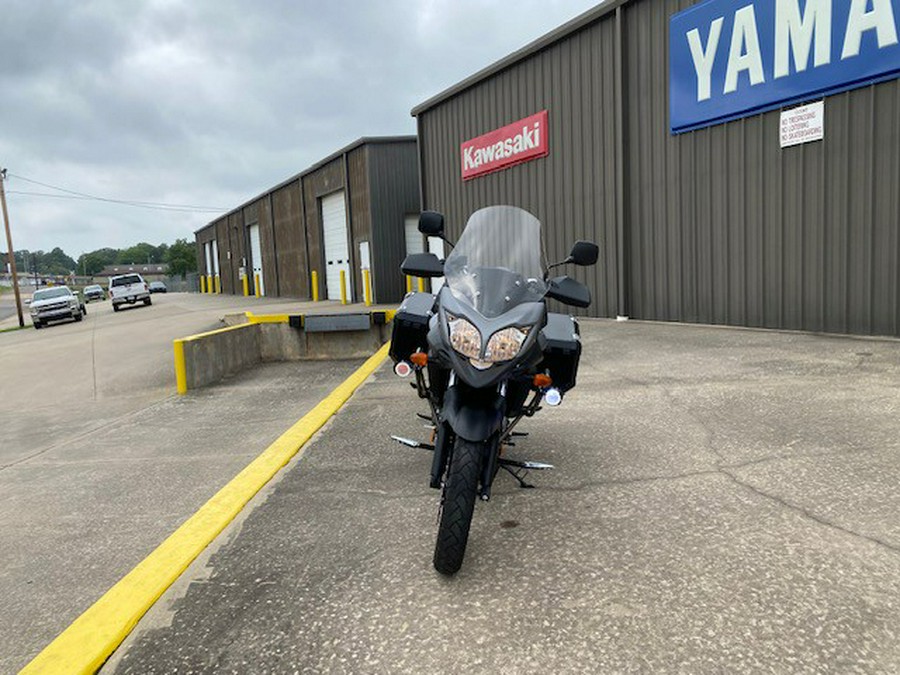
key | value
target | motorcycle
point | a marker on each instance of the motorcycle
(485, 353)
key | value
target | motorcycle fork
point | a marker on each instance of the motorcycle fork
(443, 436)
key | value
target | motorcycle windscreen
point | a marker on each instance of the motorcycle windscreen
(497, 263)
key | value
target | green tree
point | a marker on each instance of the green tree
(182, 257)
(56, 262)
(139, 253)
(91, 263)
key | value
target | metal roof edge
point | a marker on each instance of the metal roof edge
(572, 26)
(364, 140)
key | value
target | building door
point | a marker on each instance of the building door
(337, 252)
(207, 253)
(215, 257)
(413, 236)
(436, 246)
(365, 264)
(256, 260)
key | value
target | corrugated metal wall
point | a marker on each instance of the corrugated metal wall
(316, 185)
(226, 280)
(360, 212)
(718, 225)
(394, 187)
(258, 213)
(290, 253)
(573, 190)
(727, 227)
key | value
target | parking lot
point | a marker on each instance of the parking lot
(724, 500)
(100, 460)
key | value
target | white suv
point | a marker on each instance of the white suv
(128, 288)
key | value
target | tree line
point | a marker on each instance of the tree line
(181, 257)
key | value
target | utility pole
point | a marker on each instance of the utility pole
(11, 253)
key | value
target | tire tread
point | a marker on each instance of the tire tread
(460, 495)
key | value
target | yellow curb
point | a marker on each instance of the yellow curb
(267, 318)
(86, 644)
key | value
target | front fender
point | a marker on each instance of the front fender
(474, 417)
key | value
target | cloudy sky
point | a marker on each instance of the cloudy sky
(206, 103)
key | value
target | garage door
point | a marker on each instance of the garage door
(337, 251)
(256, 260)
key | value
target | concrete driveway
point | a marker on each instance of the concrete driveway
(99, 459)
(725, 501)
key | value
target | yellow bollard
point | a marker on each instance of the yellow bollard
(421, 285)
(256, 285)
(246, 283)
(218, 284)
(343, 287)
(209, 284)
(315, 286)
(202, 284)
(408, 284)
(180, 370)
(367, 291)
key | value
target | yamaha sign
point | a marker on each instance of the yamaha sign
(731, 59)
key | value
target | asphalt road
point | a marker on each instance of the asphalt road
(100, 460)
(8, 304)
(724, 501)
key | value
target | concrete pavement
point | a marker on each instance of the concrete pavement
(100, 461)
(725, 501)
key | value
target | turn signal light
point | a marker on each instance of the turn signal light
(419, 358)
(542, 381)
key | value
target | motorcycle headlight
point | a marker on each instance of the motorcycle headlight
(464, 337)
(505, 344)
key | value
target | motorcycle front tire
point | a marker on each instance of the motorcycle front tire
(460, 492)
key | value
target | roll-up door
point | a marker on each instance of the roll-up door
(207, 253)
(337, 251)
(215, 256)
(256, 259)
(414, 242)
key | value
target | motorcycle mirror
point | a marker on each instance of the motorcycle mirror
(431, 223)
(584, 253)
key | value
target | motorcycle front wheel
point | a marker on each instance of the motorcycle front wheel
(460, 492)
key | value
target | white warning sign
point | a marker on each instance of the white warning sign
(803, 124)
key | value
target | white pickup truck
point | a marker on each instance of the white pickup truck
(128, 288)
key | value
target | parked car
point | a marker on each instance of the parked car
(53, 304)
(94, 292)
(128, 288)
(158, 287)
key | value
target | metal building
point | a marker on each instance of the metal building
(669, 138)
(346, 213)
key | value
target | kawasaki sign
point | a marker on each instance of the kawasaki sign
(731, 59)
(513, 144)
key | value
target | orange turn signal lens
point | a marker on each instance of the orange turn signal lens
(419, 358)
(542, 381)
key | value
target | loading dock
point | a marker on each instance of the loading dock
(316, 221)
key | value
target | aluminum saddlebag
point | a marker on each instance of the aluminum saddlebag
(410, 330)
(560, 341)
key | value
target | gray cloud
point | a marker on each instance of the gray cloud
(211, 102)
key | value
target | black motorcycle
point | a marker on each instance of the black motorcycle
(485, 353)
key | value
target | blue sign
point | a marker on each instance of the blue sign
(733, 58)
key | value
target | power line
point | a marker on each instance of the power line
(160, 207)
(125, 202)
